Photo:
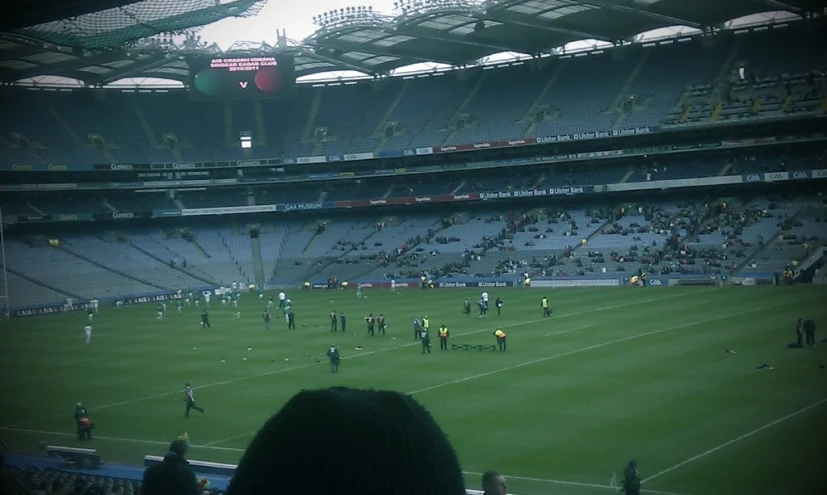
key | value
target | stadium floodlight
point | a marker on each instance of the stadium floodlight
(347, 16)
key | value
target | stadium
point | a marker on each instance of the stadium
(637, 186)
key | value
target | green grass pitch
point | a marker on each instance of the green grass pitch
(615, 374)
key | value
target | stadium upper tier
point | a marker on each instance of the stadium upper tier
(685, 83)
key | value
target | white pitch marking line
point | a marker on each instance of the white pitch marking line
(556, 356)
(736, 440)
(573, 483)
(567, 331)
(596, 346)
(233, 449)
(303, 366)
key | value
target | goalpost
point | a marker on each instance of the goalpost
(5, 309)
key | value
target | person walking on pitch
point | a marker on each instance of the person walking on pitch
(545, 306)
(266, 316)
(205, 319)
(335, 358)
(190, 398)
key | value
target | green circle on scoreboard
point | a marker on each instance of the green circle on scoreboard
(209, 82)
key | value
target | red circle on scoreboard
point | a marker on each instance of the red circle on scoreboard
(268, 79)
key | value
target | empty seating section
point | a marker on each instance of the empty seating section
(68, 273)
(580, 98)
(129, 261)
(227, 257)
(427, 105)
(351, 113)
(497, 109)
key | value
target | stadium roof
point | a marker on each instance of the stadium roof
(451, 32)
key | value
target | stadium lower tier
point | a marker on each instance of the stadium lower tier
(720, 237)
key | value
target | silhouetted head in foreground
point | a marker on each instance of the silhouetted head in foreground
(341, 441)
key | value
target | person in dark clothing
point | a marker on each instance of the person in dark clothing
(334, 321)
(466, 307)
(408, 453)
(631, 479)
(371, 321)
(205, 319)
(173, 476)
(380, 321)
(83, 423)
(291, 320)
(335, 358)
(499, 304)
(343, 317)
(190, 398)
(810, 332)
(493, 483)
(799, 331)
(425, 338)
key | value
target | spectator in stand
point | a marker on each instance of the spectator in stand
(173, 476)
(493, 483)
(341, 441)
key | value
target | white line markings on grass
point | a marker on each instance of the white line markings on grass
(567, 331)
(551, 358)
(393, 348)
(572, 483)
(596, 346)
(736, 440)
(234, 449)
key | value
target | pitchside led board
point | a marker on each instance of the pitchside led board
(242, 77)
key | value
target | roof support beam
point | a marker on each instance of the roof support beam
(338, 62)
(138, 69)
(532, 22)
(60, 68)
(433, 34)
(781, 5)
(24, 50)
(347, 46)
(673, 21)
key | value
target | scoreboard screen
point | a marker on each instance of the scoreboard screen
(242, 77)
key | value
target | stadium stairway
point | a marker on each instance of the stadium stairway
(47, 285)
(310, 124)
(142, 120)
(113, 270)
(228, 124)
(630, 80)
(380, 128)
(461, 108)
(332, 261)
(541, 97)
(261, 129)
(62, 123)
(258, 262)
(180, 269)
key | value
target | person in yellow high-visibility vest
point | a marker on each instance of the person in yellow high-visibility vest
(500, 340)
(443, 338)
(545, 306)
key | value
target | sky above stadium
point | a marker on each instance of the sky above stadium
(293, 16)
